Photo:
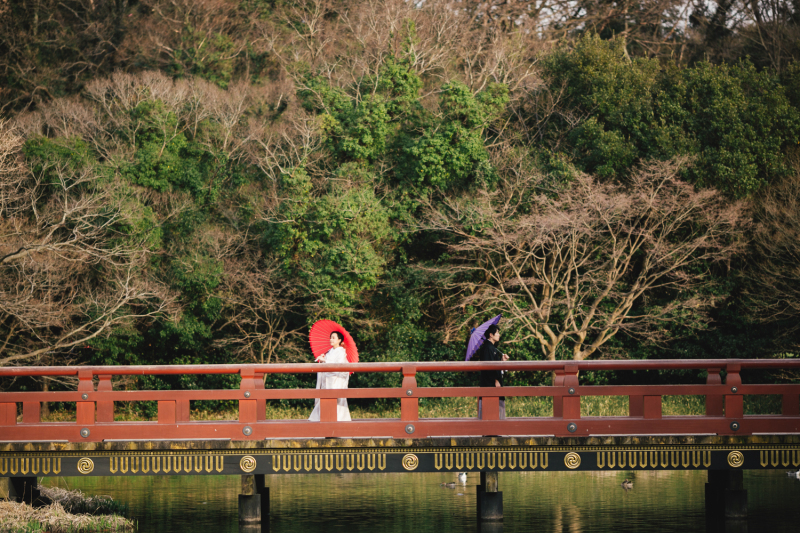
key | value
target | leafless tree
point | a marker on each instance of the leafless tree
(191, 36)
(655, 28)
(47, 46)
(258, 302)
(349, 44)
(775, 272)
(68, 274)
(293, 143)
(767, 31)
(771, 27)
(575, 268)
(209, 115)
(10, 165)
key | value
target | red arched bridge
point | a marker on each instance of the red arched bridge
(723, 439)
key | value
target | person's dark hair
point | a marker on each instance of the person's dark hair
(338, 334)
(491, 330)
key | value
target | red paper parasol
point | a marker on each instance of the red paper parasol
(320, 339)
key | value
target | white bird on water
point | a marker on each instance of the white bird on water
(462, 478)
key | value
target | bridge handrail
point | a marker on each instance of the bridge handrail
(95, 398)
(445, 366)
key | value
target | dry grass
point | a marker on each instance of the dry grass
(543, 407)
(18, 517)
(448, 408)
(76, 502)
(590, 406)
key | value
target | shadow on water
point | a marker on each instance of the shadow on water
(557, 502)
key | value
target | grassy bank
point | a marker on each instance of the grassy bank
(70, 511)
(21, 518)
(467, 407)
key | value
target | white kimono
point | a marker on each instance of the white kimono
(333, 380)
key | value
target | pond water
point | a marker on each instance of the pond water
(574, 502)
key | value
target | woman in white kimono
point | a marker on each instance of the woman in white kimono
(333, 380)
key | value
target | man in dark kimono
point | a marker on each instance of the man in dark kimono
(492, 378)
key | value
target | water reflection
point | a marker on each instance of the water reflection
(730, 526)
(255, 528)
(557, 502)
(490, 527)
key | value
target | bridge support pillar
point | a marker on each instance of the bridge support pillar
(726, 496)
(263, 491)
(254, 499)
(23, 490)
(490, 501)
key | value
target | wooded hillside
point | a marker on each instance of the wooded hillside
(199, 181)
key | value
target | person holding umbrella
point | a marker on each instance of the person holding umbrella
(492, 378)
(487, 351)
(341, 349)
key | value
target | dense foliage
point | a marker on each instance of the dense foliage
(198, 182)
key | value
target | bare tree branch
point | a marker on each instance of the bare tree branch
(68, 272)
(573, 269)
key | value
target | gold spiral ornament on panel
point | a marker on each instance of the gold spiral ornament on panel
(410, 461)
(85, 465)
(736, 459)
(572, 460)
(248, 463)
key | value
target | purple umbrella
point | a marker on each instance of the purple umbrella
(476, 338)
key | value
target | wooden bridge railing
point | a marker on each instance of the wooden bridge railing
(95, 399)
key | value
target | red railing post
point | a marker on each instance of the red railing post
(182, 411)
(558, 404)
(105, 410)
(651, 406)
(247, 408)
(791, 405)
(169, 411)
(409, 406)
(84, 415)
(327, 410)
(8, 414)
(734, 401)
(714, 401)
(636, 405)
(261, 405)
(31, 412)
(166, 412)
(491, 408)
(571, 402)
